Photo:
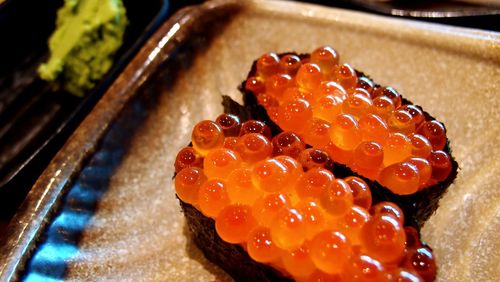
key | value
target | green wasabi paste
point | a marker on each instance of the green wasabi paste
(87, 35)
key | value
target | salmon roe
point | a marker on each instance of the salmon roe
(279, 201)
(344, 109)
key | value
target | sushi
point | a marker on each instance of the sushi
(268, 207)
(321, 175)
(371, 131)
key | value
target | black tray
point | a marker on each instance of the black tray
(34, 119)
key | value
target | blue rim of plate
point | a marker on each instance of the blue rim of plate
(60, 241)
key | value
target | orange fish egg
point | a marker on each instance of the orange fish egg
(389, 209)
(271, 176)
(293, 114)
(298, 262)
(268, 64)
(373, 128)
(230, 143)
(401, 121)
(330, 250)
(234, 223)
(441, 165)
(363, 268)
(297, 93)
(366, 84)
(337, 199)
(396, 148)
(383, 238)
(212, 197)
(309, 76)
(253, 147)
(435, 132)
(362, 196)
(400, 178)
(311, 158)
(277, 84)
(368, 156)
(357, 105)
(293, 166)
(240, 187)
(404, 275)
(316, 133)
(332, 88)
(347, 76)
(416, 113)
(207, 135)
(420, 146)
(327, 107)
(288, 143)
(187, 157)
(220, 162)
(326, 58)
(230, 124)
(260, 245)
(421, 261)
(255, 126)
(267, 207)
(255, 85)
(314, 182)
(424, 170)
(383, 106)
(288, 229)
(290, 64)
(313, 216)
(390, 93)
(345, 132)
(352, 223)
(320, 276)
(187, 183)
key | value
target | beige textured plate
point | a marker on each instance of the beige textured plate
(137, 232)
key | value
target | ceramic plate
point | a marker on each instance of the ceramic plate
(105, 208)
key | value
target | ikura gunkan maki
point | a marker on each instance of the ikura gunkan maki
(270, 207)
(368, 128)
(375, 133)
(322, 175)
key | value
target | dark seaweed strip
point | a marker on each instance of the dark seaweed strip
(232, 258)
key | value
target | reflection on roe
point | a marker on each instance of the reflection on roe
(331, 108)
(282, 204)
